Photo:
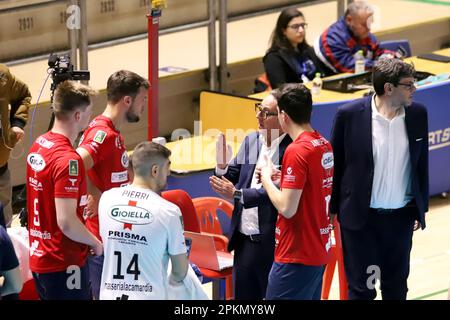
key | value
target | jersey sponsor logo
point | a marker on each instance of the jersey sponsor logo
(37, 185)
(73, 168)
(44, 143)
(319, 142)
(327, 182)
(83, 200)
(125, 160)
(39, 234)
(131, 215)
(36, 162)
(288, 177)
(71, 189)
(100, 136)
(119, 176)
(327, 160)
(34, 249)
(126, 235)
(73, 181)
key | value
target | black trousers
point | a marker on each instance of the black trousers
(381, 249)
(253, 259)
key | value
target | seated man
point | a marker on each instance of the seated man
(338, 44)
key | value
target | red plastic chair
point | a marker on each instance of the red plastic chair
(337, 258)
(191, 223)
(184, 201)
(208, 212)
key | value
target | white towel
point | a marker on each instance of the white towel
(189, 289)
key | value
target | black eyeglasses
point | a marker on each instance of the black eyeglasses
(261, 112)
(408, 86)
(298, 25)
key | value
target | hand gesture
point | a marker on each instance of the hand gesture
(224, 152)
(222, 186)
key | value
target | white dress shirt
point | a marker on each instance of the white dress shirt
(391, 188)
(249, 218)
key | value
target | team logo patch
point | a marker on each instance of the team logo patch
(100, 136)
(327, 160)
(125, 160)
(73, 168)
(36, 161)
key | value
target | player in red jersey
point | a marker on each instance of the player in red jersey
(57, 198)
(302, 235)
(103, 150)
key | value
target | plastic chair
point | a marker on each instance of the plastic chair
(397, 45)
(214, 214)
(184, 201)
(337, 258)
(191, 223)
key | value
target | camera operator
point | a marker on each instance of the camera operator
(14, 93)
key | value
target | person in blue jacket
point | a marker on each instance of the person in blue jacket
(338, 44)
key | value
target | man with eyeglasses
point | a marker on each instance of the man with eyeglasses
(338, 44)
(380, 190)
(252, 230)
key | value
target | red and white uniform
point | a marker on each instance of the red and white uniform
(106, 146)
(54, 170)
(305, 238)
(140, 230)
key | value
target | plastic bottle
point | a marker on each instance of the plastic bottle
(316, 85)
(360, 62)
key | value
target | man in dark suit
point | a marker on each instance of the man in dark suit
(380, 184)
(252, 231)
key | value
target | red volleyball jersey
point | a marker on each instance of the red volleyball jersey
(54, 170)
(106, 146)
(307, 165)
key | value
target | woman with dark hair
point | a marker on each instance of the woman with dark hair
(290, 58)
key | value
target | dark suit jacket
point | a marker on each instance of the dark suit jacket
(351, 139)
(281, 68)
(240, 173)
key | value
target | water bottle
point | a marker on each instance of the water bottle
(316, 85)
(360, 62)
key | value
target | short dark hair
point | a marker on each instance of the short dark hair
(278, 40)
(71, 96)
(390, 71)
(124, 83)
(295, 100)
(145, 155)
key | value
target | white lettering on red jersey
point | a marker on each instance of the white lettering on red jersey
(54, 170)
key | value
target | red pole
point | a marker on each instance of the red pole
(153, 110)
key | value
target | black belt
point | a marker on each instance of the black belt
(253, 237)
(410, 204)
(3, 169)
